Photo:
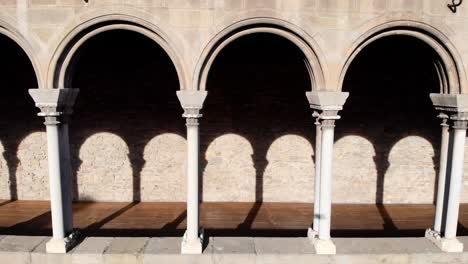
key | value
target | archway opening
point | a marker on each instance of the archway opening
(128, 88)
(389, 83)
(256, 94)
(17, 113)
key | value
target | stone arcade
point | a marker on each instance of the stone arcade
(326, 43)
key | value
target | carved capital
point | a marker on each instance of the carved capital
(449, 103)
(453, 107)
(326, 118)
(326, 106)
(444, 117)
(192, 103)
(459, 120)
(55, 104)
(326, 101)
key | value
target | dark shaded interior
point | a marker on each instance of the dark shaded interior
(17, 111)
(257, 88)
(127, 87)
(389, 84)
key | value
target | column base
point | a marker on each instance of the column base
(63, 245)
(445, 244)
(194, 246)
(312, 234)
(322, 247)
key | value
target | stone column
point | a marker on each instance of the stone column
(326, 105)
(459, 125)
(192, 103)
(441, 194)
(54, 104)
(67, 196)
(318, 150)
(454, 108)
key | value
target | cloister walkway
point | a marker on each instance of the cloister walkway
(223, 219)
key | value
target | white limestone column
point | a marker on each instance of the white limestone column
(326, 105)
(192, 179)
(441, 194)
(454, 110)
(55, 104)
(55, 180)
(456, 177)
(67, 194)
(318, 144)
(326, 178)
(192, 102)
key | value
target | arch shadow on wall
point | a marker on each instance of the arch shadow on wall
(19, 72)
(238, 102)
(128, 72)
(244, 110)
(432, 65)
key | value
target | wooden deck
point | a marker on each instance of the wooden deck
(223, 219)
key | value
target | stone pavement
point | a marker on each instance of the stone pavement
(129, 250)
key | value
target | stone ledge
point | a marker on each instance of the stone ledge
(27, 250)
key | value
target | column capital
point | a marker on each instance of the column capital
(459, 120)
(55, 104)
(326, 106)
(453, 107)
(450, 103)
(326, 101)
(191, 102)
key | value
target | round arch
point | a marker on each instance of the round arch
(261, 25)
(450, 68)
(80, 34)
(24, 45)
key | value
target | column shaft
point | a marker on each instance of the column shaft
(55, 181)
(326, 180)
(442, 176)
(192, 179)
(67, 194)
(456, 176)
(318, 143)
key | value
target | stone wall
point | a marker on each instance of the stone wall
(257, 135)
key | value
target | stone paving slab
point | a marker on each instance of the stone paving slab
(167, 245)
(124, 250)
(233, 250)
(91, 250)
(225, 250)
(281, 246)
(21, 243)
(384, 245)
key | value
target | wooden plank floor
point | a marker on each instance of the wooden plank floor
(223, 219)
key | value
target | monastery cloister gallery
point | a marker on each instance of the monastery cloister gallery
(265, 101)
